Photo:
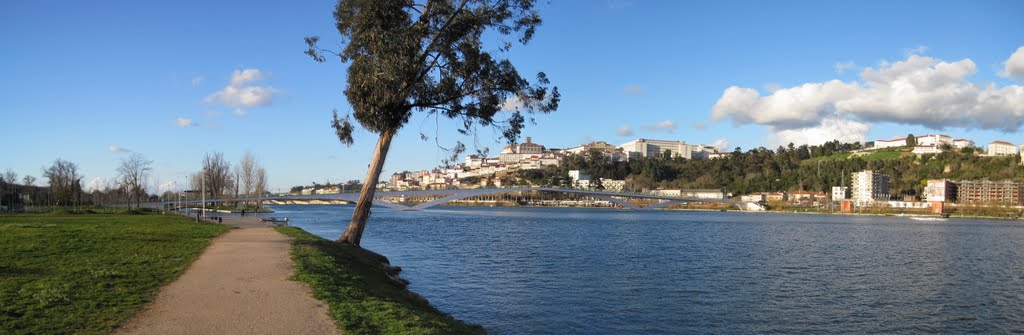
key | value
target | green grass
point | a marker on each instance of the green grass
(882, 154)
(365, 296)
(88, 273)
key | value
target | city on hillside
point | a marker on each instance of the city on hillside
(864, 182)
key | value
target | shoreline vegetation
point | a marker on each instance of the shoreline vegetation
(74, 272)
(364, 292)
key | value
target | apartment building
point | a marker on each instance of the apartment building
(868, 186)
(990, 192)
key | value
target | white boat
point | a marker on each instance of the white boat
(927, 218)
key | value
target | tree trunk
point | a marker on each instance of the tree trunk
(354, 233)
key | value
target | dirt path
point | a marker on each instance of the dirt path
(239, 285)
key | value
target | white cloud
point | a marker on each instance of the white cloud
(114, 148)
(241, 93)
(96, 184)
(667, 126)
(918, 50)
(512, 103)
(793, 107)
(242, 77)
(1013, 67)
(842, 67)
(197, 80)
(168, 186)
(624, 130)
(721, 144)
(239, 112)
(844, 130)
(634, 89)
(919, 90)
(185, 122)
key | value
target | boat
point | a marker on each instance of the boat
(274, 220)
(927, 218)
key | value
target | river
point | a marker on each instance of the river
(607, 271)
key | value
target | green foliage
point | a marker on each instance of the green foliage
(364, 294)
(86, 274)
(406, 56)
(810, 168)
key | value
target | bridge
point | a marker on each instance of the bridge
(441, 197)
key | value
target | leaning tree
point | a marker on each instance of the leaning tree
(407, 56)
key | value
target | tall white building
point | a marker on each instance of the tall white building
(868, 186)
(656, 148)
(1001, 148)
(840, 193)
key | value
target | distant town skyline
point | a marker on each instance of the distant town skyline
(90, 82)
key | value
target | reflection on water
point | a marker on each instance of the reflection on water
(603, 271)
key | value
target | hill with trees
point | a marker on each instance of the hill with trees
(808, 168)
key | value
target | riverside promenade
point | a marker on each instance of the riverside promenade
(240, 285)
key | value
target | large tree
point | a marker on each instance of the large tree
(407, 56)
(245, 173)
(64, 180)
(216, 173)
(132, 174)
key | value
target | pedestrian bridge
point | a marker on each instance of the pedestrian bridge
(440, 197)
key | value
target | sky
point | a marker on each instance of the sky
(93, 81)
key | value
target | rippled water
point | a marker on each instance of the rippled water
(594, 271)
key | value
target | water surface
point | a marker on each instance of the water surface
(604, 271)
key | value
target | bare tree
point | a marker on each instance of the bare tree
(195, 181)
(133, 174)
(217, 173)
(260, 182)
(64, 180)
(10, 177)
(28, 180)
(245, 172)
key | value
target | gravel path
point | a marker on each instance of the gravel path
(239, 285)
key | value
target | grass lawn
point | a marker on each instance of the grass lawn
(86, 274)
(365, 297)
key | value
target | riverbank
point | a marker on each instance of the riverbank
(88, 273)
(363, 290)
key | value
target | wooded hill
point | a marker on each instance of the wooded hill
(809, 168)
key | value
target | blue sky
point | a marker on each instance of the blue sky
(90, 81)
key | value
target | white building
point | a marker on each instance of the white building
(702, 151)
(893, 143)
(518, 152)
(935, 140)
(961, 143)
(940, 190)
(576, 175)
(868, 186)
(710, 194)
(655, 148)
(840, 193)
(755, 197)
(927, 149)
(1001, 148)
